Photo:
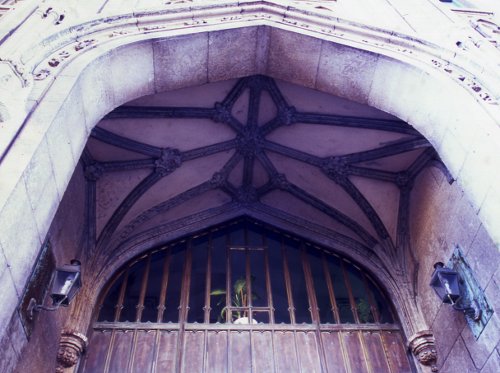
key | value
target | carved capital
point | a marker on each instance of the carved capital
(423, 346)
(71, 347)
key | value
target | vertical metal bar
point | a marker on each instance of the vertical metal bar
(161, 307)
(184, 305)
(248, 276)
(349, 292)
(288, 282)
(139, 308)
(228, 279)
(311, 295)
(248, 279)
(373, 306)
(228, 300)
(118, 310)
(313, 305)
(207, 308)
(144, 285)
(208, 282)
(356, 316)
(121, 297)
(331, 291)
(270, 302)
(164, 285)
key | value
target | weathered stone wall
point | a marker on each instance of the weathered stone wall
(65, 235)
(441, 218)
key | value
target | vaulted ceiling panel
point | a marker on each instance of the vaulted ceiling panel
(325, 141)
(309, 100)
(198, 96)
(197, 204)
(103, 152)
(174, 133)
(191, 174)
(111, 189)
(383, 197)
(256, 143)
(314, 182)
(288, 203)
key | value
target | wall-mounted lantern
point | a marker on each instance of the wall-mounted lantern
(446, 283)
(65, 284)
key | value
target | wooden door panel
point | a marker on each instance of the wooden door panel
(217, 352)
(333, 352)
(120, 354)
(308, 351)
(97, 352)
(240, 358)
(143, 351)
(263, 355)
(285, 353)
(396, 352)
(357, 359)
(167, 351)
(193, 351)
(376, 354)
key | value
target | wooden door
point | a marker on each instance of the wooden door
(244, 298)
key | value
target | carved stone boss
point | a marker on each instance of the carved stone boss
(423, 346)
(71, 347)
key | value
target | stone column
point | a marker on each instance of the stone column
(423, 346)
(71, 347)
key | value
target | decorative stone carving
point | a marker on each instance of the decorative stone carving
(423, 346)
(246, 195)
(287, 115)
(336, 168)
(71, 347)
(169, 160)
(280, 181)
(94, 171)
(218, 179)
(222, 113)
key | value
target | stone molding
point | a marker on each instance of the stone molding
(423, 345)
(71, 347)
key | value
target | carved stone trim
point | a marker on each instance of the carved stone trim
(423, 346)
(71, 347)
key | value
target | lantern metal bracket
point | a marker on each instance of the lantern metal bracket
(33, 307)
(473, 311)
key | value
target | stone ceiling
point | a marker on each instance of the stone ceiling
(254, 141)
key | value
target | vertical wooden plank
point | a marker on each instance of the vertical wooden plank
(239, 354)
(357, 359)
(194, 347)
(395, 352)
(96, 355)
(333, 352)
(120, 354)
(143, 354)
(262, 351)
(167, 350)
(284, 350)
(216, 352)
(376, 354)
(309, 354)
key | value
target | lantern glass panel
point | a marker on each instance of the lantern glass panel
(64, 282)
(449, 281)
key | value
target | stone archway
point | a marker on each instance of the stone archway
(62, 108)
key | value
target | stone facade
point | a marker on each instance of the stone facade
(429, 68)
